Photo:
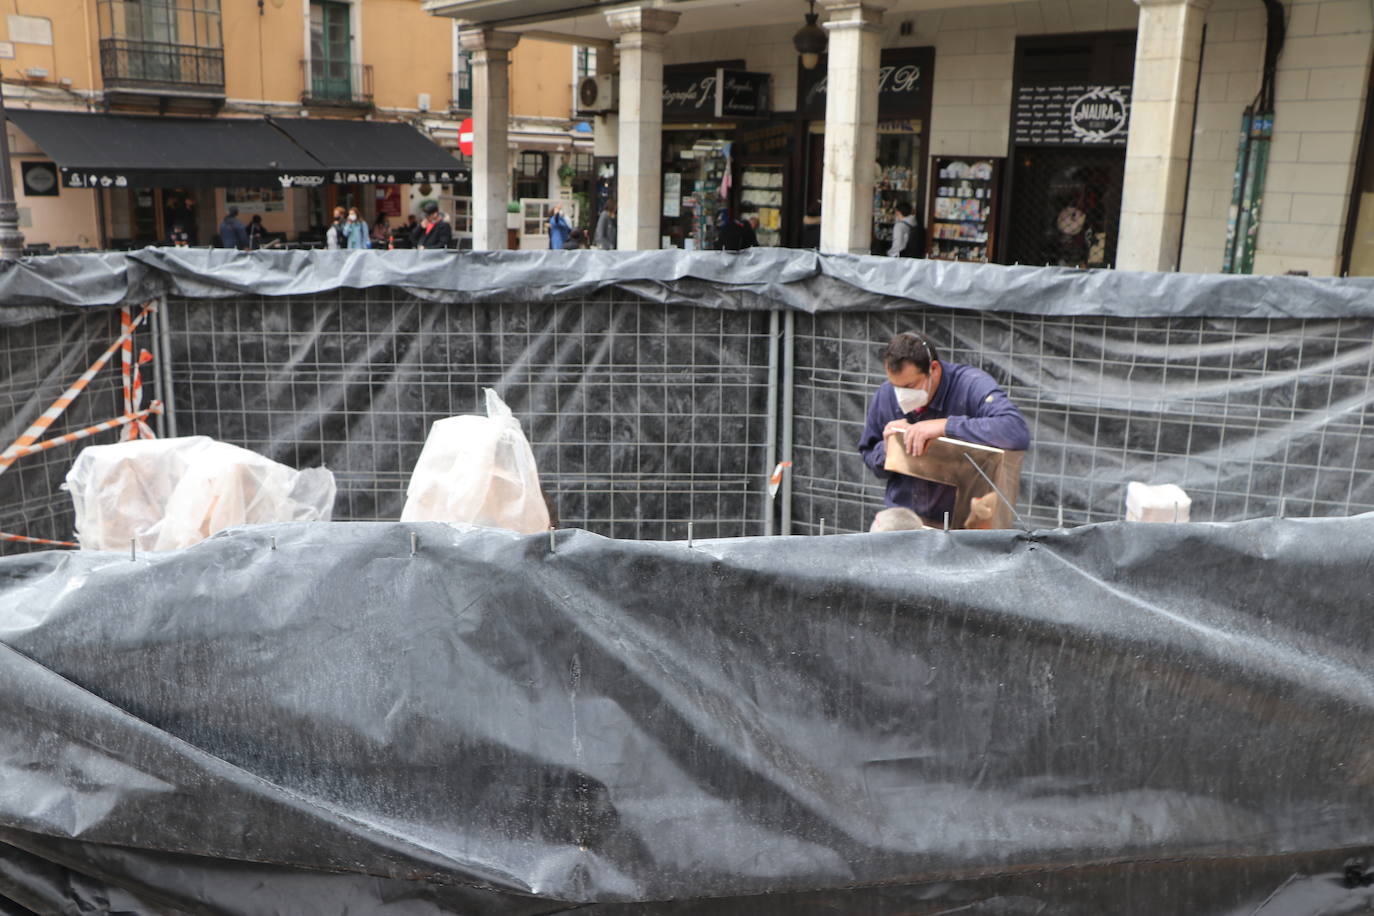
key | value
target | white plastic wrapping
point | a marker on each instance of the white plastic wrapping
(1164, 502)
(479, 471)
(171, 493)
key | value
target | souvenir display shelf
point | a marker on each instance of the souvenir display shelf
(962, 223)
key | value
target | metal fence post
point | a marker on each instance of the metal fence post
(771, 435)
(788, 348)
(163, 362)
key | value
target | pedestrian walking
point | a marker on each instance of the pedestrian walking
(559, 230)
(334, 235)
(231, 231)
(604, 236)
(355, 230)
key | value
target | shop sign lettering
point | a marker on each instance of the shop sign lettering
(1072, 115)
(696, 94)
(1099, 115)
(903, 84)
(300, 181)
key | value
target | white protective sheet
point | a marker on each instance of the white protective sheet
(479, 471)
(171, 493)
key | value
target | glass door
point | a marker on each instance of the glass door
(330, 51)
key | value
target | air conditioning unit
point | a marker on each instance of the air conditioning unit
(597, 94)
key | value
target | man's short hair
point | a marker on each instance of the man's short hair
(897, 518)
(903, 207)
(233, 211)
(430, 207)
(909, 347)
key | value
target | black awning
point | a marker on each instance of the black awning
(376, 152)
(105, 150)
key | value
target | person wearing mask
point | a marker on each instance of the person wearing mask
(178, 238)
(355, 230)
(559, 230)
(434, 232)
(334, 236)
(231, 231)
(908, 239)
(604, 236)
(257, 233)
(925, 398)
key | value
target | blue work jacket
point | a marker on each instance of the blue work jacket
(977, 411)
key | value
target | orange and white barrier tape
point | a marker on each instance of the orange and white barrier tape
(129, 419)
(133, 377)
(56, 409)
(26, 540)
(775, 480)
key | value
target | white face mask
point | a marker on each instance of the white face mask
(909, 399)
(352, 218)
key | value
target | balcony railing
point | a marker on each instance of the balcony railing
(333, 83)
(130, 64)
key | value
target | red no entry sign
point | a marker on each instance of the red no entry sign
(465, 136)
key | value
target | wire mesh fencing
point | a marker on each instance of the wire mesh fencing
(38, 362)
(645, 417)
(1252, 418)
(642, 417)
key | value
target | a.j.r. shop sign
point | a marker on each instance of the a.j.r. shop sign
(905, 76)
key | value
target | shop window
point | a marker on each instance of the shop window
(531, 174)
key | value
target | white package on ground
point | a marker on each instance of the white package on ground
(171, 493)
(1164, 502)
(478, 471)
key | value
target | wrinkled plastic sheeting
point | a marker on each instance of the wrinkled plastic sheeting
(1114, 718)
(758, 278)
(478, 471)
(164, 494)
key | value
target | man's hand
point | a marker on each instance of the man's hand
(896, 426)
(918, 435)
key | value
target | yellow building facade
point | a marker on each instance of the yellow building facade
(358, 61)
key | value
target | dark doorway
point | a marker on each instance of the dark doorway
(1070, 121)
(1068, 206)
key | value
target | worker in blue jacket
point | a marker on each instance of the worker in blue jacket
(925, 398)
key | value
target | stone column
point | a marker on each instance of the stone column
(490, 120)
(851, 125)
(1167, 54)
(640, 172)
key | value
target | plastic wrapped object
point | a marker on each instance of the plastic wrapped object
(169, 493)
(1164, 502)
(480, 471)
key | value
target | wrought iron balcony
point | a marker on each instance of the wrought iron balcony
(161, 46)
(129, 64)
(334, 83)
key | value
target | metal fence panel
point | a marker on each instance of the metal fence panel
(38, 362)
(643, 417)
(1251, 417)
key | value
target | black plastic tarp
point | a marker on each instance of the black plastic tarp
(1115, 718)
(755, 279)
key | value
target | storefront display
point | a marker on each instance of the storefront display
(700, 161)
(899, 175)
(761, 197)
(962, 221)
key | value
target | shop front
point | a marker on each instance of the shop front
(905, 78)
(1070, 119)
(717, 168)
(156, 177)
